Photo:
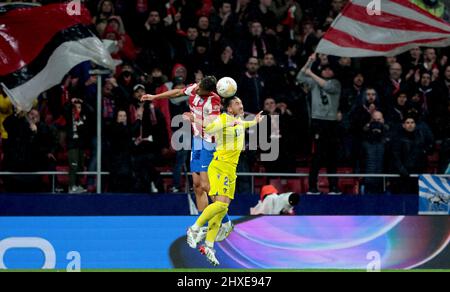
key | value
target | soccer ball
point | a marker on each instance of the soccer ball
(226, 87)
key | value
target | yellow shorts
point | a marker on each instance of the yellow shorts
(222, 178)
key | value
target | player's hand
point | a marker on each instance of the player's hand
(259, 117)
(188, 117)
(147, 97)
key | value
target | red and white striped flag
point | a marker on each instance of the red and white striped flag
(40, 45)
(398, 27)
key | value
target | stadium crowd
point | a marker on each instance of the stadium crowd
(373, 115)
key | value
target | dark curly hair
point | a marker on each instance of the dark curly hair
(208, 83)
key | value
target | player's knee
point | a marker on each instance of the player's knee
(205, 187)
(197, 184)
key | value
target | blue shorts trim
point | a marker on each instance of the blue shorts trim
(202, 154)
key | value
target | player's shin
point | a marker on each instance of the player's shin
(213, 228)
(210, 212)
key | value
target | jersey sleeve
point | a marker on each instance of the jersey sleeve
(249, 124)
(190, 89)
(216, 106)
(216, 125)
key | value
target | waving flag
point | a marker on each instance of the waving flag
(40, 45)
(398, 27)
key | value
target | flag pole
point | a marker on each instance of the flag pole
(99, 73)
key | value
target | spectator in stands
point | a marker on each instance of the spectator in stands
(391, 86)
(46, 143)
(6, 109)
(251, 87)
(443, 113)
(155, 41)
(180, 106)
(115, 31)
(204, 28)
(78, 116)
(445, 138)
(361, 114)
(186, 44)
(325, 92)
(257, 44)
(373, 152)
(308, 39)
(336, 7)
(224, 23)
(428, 100)
(104, 11)
(201, 59)
(430, 60)
(121, 179)
(20, 155)
(290, 62)
(273, 77)
(280, 121)
(243, 10)
(150, 143)
(226, 65)
(352, 95)
(399, 111)
(409, 157)
(264, 14)
(179, 76)
(157, 85)
(126, 81)
(109, 101)
(413, 62)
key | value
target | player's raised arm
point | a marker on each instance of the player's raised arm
(174, 93)
(258, 119)
(216, 125)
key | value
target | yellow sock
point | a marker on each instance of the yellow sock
(210, 212)
(214, 226)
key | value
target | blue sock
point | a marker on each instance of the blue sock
(226, 219)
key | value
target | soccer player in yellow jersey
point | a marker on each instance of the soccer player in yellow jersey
(229, 130)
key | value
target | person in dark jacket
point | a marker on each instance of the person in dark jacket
(21, 155)
(397, 113)
(79, 116)
(121, 178)
(273, 77)
(280, 129)
(360, 116)
(150, 140)
(409, 153)
(373, 152)
(251, 87)
(46, 145)
(391, 86)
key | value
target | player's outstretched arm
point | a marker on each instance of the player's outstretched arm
(174, 93)
(258, 119)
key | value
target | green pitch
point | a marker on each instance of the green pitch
(228, 271)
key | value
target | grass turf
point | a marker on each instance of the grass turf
(226, 271)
